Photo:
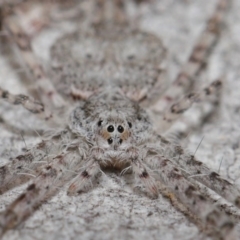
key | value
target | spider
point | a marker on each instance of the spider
(102, 77)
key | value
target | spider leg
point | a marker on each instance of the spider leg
(101, 11)
(141, 172)
(24, 167)
(28, 103)
(51, 177)
(172, 114)
(119, 11)
(24, 45)
(198, 171)
(189, 194)
(83, 181)
(182, 208)
(196, 61)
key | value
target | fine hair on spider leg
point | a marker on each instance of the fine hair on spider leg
(19, 169)
(188, 192)
(195, 170)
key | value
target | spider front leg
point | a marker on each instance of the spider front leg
(24, 166)
(83, 181)
(198, 171)
(51, 177)
(197, 60)
(142, 173)
(20, 169)
(85, 178)
(188, 193)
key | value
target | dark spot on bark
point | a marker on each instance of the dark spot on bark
(191, 95)
(164, 163)
(3, 171)
(174, 175)
(163, 140)
(207, 91)
(202, 198)
(48, 167)
(182, 77)
(50, 94)
(189, 191)
(212, 218)
(197, 163)
(144, 175)
(21, 197)
(41, 145)
(179, 150)
(194, 58)
(85, 174)
(199, 48)
(31, 187)
(213, 175)
(150, 214)
(227, 226)
(5, 94)
(237, 201)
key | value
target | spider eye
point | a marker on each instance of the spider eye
(130, 124)
(110, 128)
(100, 123)
(110, 141)
(120, 129)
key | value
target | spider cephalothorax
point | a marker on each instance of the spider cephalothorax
(111, 122)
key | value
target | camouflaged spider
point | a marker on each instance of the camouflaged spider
(113, 70)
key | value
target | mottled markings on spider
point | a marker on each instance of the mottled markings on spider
(111, 68)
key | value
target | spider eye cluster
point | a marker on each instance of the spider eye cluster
(114, 134)
(120, 129)
(110, 128)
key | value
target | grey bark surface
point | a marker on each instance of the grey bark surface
(112, 210)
